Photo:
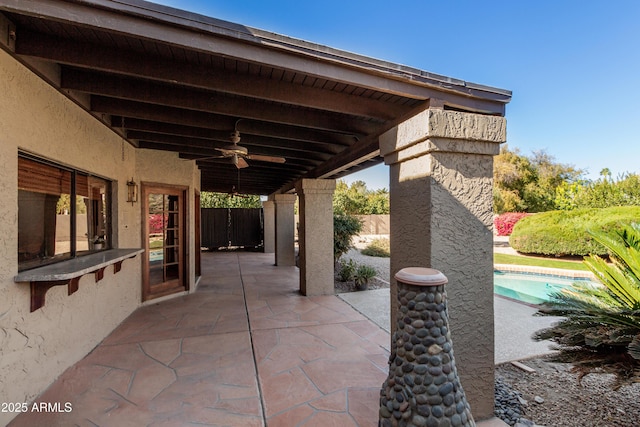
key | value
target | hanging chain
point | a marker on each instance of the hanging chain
(123, 135)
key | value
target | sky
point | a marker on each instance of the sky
(573, 65)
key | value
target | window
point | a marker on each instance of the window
(62, 213)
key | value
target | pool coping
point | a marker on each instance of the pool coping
(558, 272)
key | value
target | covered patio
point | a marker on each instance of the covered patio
(245, 350)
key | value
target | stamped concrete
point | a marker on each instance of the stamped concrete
(245, 350)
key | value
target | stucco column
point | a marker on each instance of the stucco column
(315, 235)
(269, 226)
(441, 171)
(284, 224)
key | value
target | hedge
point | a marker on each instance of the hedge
(562, 233)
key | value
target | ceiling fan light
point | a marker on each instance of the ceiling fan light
(234, 137)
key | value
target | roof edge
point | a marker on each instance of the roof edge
(203, 23)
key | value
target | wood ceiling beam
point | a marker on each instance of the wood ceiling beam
(244, 188)
(177, 143)
(136, 64)
(204, 162)
(140, 110)
(206, 138)
(210, 102)
(245, 126)
(230, 177)
(363, 150)
(201, 157)
(230, 172)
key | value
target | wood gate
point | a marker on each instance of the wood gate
(232, 227)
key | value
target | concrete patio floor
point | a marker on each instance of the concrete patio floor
(245, 350)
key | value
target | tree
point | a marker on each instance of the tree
(357, 199)
(604, 192)
(377, 202)
(224, 200)
(344, 228)
(549, 175)
(511, 173)
(601, 327)
(528, 184)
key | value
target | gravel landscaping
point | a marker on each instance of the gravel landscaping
(552, 396)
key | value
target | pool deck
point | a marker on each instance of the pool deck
(558, 272)
(514, 322)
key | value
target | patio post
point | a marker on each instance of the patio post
(269, 215)
(284, 241)
(441, 172)
(315, 235)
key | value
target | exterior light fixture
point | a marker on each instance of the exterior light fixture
(132, 191)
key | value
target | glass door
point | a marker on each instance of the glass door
(164, 242)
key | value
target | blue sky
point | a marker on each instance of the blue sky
(573, 66)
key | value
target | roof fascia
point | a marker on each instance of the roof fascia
(192, 31)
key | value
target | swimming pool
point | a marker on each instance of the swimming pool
(531, 288)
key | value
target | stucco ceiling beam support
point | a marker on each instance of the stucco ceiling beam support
(315, 236)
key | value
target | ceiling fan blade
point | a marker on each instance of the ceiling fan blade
(209, 157)
(270, 159)
(241, 163)
(229, 150)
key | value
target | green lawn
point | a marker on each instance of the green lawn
(538, 262)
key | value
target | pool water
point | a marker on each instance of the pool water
(531, 288)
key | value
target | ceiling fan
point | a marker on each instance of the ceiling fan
(238, 153)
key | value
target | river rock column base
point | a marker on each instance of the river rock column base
(423, 388)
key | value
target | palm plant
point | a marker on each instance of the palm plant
(600, 331)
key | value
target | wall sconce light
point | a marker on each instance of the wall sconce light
(132, 191)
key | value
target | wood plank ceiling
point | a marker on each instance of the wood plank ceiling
(171, 80)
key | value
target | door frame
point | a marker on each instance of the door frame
(197, 256)
(183, 262)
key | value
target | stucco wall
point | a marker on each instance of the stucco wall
(35, 348)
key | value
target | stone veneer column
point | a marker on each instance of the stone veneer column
(269, 215)
(284, 242)
(423, 388)
(315, 235)
(441, 171)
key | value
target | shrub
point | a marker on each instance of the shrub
(600, 326)
(378, 247)
(347, 270)
(505, 222)
(561, 233)
(344, 228)
(364, 273)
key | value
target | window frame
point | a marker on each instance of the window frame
(107, 211)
